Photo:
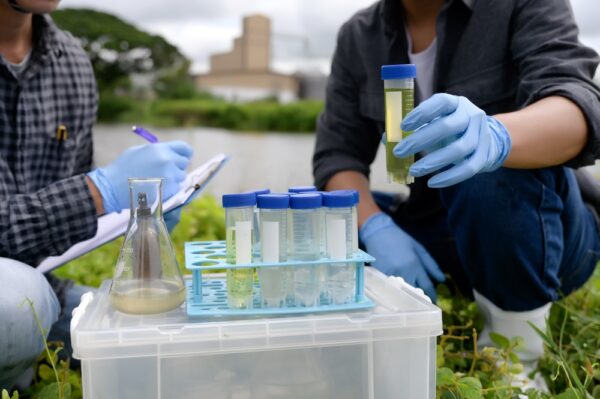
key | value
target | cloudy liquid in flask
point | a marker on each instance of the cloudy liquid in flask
(147, 297)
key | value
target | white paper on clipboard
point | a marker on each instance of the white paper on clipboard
(114, 224)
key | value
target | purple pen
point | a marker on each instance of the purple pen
(140, 131)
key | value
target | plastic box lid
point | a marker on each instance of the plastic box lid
(100, 332)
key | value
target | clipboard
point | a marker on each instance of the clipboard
(114, 224)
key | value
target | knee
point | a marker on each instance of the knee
(20, 337)
(500, 199)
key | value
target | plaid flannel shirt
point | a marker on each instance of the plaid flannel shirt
(46, 119)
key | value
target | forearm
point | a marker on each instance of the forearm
(46, 222)
(347, 180)
(96, 196)
(548, 132)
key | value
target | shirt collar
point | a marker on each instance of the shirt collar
(470, 3)
(44, 34)
(393, 12)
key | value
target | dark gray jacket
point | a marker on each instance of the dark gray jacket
(501, 54)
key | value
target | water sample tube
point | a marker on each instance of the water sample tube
(303, 245)
(256, 227)
(321, 269)
(399, 92)
(273, 209)
(239, 217)
(356, 195)
(341, 279)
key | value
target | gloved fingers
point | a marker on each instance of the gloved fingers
(431, 135)
(469, 167)
(384, 138)
(180, 161)
(436, 106)
(181, 147)
(462, 171)
(424, 283)
(454, 152)
(430, 265)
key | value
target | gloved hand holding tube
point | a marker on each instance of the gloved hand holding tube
(168, 160)
(453, 131)
(398, 254)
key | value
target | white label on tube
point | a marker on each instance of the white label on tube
(393, 115)
(354, 230)
(243, 242)
(270, 242)
(336, 237)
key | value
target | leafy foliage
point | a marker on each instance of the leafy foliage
(572, 362)
(570, 366)
(263, 115)
(53, 377)
(117, 49)
(203, 110)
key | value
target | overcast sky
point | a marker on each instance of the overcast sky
(202, 27)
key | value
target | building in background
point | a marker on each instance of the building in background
(244, 73)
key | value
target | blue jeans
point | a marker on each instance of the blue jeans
(521, 238)
(20, 338)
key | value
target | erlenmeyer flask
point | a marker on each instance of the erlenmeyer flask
(147, 278)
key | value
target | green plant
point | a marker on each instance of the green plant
(255, 116)
(570, 365)
(53, 379)
(572, 362)
(6, 395)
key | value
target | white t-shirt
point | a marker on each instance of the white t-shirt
(19, 68)
(425, 63)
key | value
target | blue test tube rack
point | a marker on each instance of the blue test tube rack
(208, 296)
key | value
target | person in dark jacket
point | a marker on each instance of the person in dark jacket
(507, 109)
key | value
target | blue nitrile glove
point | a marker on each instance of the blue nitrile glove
(398, 254)
(168, 160)
(453, 131)
(172, 218)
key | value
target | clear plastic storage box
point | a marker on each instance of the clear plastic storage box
(387, 352)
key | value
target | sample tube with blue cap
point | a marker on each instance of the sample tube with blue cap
(399, 81)
(239, 217)
(356, 195)
(303, 245)
(256, 227)
(341, 279)
(273, 209)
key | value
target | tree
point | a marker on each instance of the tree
(118, 49)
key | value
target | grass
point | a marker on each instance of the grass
(571, 365)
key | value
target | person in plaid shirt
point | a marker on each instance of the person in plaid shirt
(49, 196)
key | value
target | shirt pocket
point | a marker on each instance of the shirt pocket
(60, 143)
(487, 88)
